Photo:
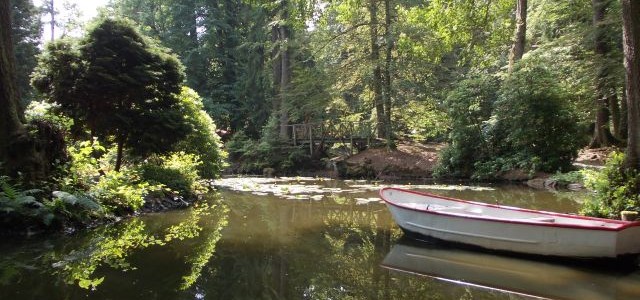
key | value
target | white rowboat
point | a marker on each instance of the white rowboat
(512, 229)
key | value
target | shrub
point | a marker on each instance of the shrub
(84, 168)
(564, 179)
(177, 171)
(120, 192)
(468, 107)
(615, 189)
(203, 141)
(45, 111)
(532, 127)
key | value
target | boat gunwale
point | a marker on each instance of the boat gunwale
(621, 225)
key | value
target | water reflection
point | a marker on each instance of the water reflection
(239, 245)
(512, 275)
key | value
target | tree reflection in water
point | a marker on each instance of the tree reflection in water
(112, 246)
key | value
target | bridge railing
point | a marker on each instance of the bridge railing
(330, 130)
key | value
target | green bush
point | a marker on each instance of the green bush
(468, 106)
(120, 192)
(524, 123)
(84, 167)
(615, 189)
(564, 179)
(177, 171)
(45, 111)
(532, 127)
(203, 141)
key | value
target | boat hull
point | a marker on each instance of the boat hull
(507, 235)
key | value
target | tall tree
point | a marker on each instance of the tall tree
(18, 151)
(12, 117)
(631, 45)
(26, 29)
(49, 8)
(285, 68)
(602, 136)
(388, 62)
(377, 79)
(519, 40)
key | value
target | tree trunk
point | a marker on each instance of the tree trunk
(285, 72)
(387, 72)
(602, 136)
(119, 153)
(10, 122)
(614, 109)
(631, 46)
(276, 68)
(624, 121)
(53, 19)
(376, 82)
(517, 50)
(17, 148)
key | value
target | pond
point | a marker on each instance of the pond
(294, 238)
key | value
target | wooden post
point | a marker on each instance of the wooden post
(310, 140)
(295, 142)
(351, 137)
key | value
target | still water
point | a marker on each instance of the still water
(294, 238)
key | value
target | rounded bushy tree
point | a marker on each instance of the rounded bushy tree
(122, 86)
(532, 127)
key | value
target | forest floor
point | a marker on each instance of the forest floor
(593, 157)
(407, 160)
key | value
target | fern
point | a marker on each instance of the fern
(7, 190)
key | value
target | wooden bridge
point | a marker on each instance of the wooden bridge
(319, 134)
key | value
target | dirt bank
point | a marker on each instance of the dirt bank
(408, 160)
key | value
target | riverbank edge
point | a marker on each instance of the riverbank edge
(152, 204)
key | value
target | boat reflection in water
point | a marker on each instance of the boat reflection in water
(513, 275)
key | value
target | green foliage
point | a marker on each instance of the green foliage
(119, 84)
(31, 208)
(45, 111)
(177, 171)
(564, 179)
(267, 152)
(120, 192)
(203, 141)
(422, 121)
(532, 127)
(84, 167)
(60, 67)
(469, 106)
(524, 123)
(78, 208)
(18, 207)
(616, 189)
